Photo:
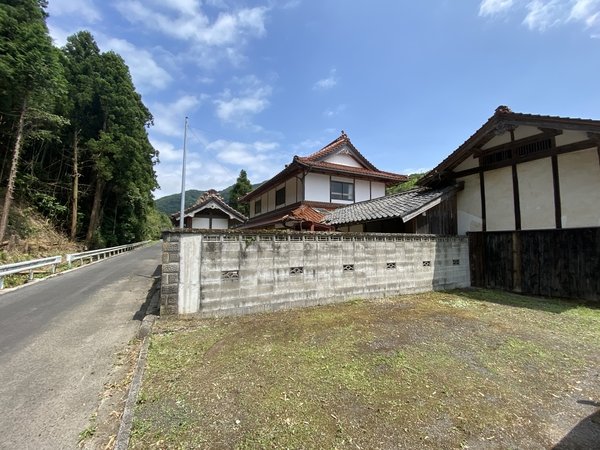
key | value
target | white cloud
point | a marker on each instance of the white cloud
(541, 15)
(250, 99)
(169, 117)
(259, 159)
(166, 151)
(493, 7)
(81, 8)
(145, 71)
(326, 83)
(586, 11)
(190, 23)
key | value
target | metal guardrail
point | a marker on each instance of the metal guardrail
(101, 253)
(24, 266)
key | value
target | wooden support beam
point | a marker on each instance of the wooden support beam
(581, 145)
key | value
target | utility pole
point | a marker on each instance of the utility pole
(183, 174)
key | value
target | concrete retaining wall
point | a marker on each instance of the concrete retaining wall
(224, 273)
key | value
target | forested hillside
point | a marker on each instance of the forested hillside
(171, 203)
(73, 134)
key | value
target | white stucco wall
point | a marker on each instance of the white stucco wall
(345, 160)
(200, 222)
(377, 189)
(468, 205)
(503, 138)
(362, 190)
(523, 132)
(317, 187)
(579, 175)
(499, 200)
(468, 163)
(568, 137)
(536, 194)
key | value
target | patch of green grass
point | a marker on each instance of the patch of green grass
(436, 370)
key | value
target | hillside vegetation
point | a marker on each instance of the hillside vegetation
(170, 204)
(73, 136)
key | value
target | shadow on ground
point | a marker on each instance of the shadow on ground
(546, 304)
(586, 435)
(151, 304)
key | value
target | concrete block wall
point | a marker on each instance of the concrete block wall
(224, 273)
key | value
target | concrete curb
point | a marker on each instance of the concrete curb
(145, 331)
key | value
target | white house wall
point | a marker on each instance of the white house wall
(536, 194)
(579, 175)
(362, 190)
(468, 205)
(499, 200)
(578, 182)
(317, 187)
(377, 189)
(523, 132)
(344, 160)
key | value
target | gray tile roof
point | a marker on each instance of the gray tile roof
(402, 205)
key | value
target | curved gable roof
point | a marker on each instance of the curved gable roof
(502, 120)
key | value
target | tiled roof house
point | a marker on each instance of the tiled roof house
(210, 212)
(299, 196)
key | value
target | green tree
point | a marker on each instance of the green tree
(81, 59)
(123, 158)
(31, 78)
(405, 185)
(241, 187)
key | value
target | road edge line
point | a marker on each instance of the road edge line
(124, 434)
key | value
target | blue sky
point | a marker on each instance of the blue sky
(264, 80)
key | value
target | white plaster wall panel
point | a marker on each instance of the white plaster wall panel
(499, 200)
(503, 138)
(377, 189)
(468, 163)
(525, 131)
(536, 194)
(200, 222)
(569, 137)
(219, 223)
(290, 191)
(344, 160)
(579, 175)
(189, 274)
(362, 190)
(317, 187)
(468, 205)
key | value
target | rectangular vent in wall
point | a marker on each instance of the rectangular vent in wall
(456, 262)
(230, 275)
(426, 263)
(348, 267)
(296, 270)
(390, 265)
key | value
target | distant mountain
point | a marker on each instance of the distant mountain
(170, 204)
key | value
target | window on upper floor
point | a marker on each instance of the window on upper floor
(280, 196)
(342, 191)
(257, 206)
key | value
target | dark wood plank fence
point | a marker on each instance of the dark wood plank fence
(550, 263)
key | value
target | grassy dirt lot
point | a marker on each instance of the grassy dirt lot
(461, 369)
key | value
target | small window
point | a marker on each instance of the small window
(280, 196)
(342, 191)
(257, 206)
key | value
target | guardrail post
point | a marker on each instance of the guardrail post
(1, 282)
(30, 275)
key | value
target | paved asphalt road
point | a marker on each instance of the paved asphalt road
(58, 344)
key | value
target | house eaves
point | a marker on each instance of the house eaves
(502, 120)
